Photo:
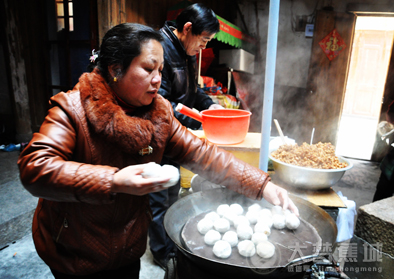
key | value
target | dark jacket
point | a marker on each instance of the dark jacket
(387, 164)
(179, 79)
(79, 227)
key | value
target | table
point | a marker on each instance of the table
(249, 151)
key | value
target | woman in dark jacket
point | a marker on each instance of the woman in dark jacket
(194, 27)
(86, 161)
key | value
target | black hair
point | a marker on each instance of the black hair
(201, 17)
(121, 44)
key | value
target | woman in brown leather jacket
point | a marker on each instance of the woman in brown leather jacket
(86, 161)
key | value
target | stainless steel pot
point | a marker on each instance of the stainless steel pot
(190, 206)
(308, 178)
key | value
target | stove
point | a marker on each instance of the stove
(324, 269)
(181, 267)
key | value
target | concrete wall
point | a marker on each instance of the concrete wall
(294, 49)
(7, 123)
(5, 102)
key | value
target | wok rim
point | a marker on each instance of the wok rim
(298, 200)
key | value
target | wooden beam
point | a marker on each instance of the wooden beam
(18, 70)
(110, 14)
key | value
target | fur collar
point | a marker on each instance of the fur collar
(146, 126)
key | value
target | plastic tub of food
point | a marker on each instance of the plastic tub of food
(221, 126)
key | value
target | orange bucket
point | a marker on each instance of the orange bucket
(221, 126)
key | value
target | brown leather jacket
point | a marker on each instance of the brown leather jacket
(79, 227)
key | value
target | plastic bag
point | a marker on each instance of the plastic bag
(10, 147)
(345, 219)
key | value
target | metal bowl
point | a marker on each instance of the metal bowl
(308, 178)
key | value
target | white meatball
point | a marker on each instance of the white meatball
(276, 209)
(254, 207)
(265, 220)
(259, 237)
(151, 170)
(240, 220)
(287, 212)
(172, 172)
(222, 249)
(230, 216)
(252, 216)
(221, 225)
(204, 225)
(211, 237)
(236, 208)
(265, 212)
(231, 237)
(244, 232)
(292, 221)
(213, 216)
(246, 248)
(265, 249)
(279, 221)
(262, 228)
(222, 209)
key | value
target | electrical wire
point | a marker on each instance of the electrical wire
(310, 18)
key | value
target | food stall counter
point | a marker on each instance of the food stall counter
(249, 151)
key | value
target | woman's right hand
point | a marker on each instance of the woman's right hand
(129, 180)
(278, 196)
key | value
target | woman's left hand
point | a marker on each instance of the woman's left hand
(278, 196)
(130, 181)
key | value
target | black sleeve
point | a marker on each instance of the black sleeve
(185, 120)
(203, 101)
(165, 91)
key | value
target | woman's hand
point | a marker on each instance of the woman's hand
(130, 181)
(278, 196)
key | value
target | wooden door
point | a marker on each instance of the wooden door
(365, 87)
(327, 78)
(367, 74)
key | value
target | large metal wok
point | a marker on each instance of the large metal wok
(195, 204)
